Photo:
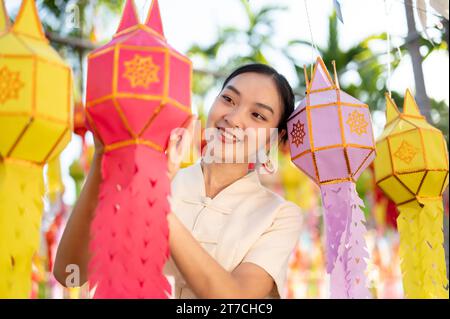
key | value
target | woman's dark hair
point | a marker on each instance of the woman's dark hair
(283, 87)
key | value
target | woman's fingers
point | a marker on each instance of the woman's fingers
(174, 142)
(187, 137)
(179, 133)
(179, 143)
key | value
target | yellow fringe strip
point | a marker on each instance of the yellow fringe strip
(421, 249)
(21, 191)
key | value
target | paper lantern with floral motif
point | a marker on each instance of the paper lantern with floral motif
(412, 170)
(331, 140)
(138, 91)
(35, 126)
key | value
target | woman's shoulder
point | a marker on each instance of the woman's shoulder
(264, 207)
(283, 207)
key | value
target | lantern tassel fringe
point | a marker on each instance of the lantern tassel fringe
(422, 251)
(346, 246)
(21, 206)
(129, 232)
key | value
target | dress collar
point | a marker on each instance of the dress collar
(194, 189)
(246, 183)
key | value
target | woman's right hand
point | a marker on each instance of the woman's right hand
(180, 143)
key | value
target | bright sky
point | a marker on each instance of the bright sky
(197, 21)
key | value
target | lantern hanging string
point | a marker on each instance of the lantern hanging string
(314, 46)
(388, 47)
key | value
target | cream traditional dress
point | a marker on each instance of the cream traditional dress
(245, 222)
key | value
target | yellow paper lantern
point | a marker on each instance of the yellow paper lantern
(35, 126)
(412, 169)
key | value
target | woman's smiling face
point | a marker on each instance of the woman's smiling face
(244, 118)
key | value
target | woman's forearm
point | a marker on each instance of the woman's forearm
(205, 276)
(73, 248)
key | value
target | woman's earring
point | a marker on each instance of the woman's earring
(268, 166)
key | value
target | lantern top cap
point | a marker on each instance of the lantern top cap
(392, 111)
(4, 19)
(154, 20)
(28, 22)
(410, 107)
(321, 78)
(130, 18)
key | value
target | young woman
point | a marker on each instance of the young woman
(230, 237)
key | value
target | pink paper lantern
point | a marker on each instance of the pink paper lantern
(331, 134)
(331, 140)
(138, 91)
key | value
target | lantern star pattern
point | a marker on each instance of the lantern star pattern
(138, 91)
(412, 170)
(331, 140)
(35, 126)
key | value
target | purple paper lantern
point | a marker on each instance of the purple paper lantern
(331, 140)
